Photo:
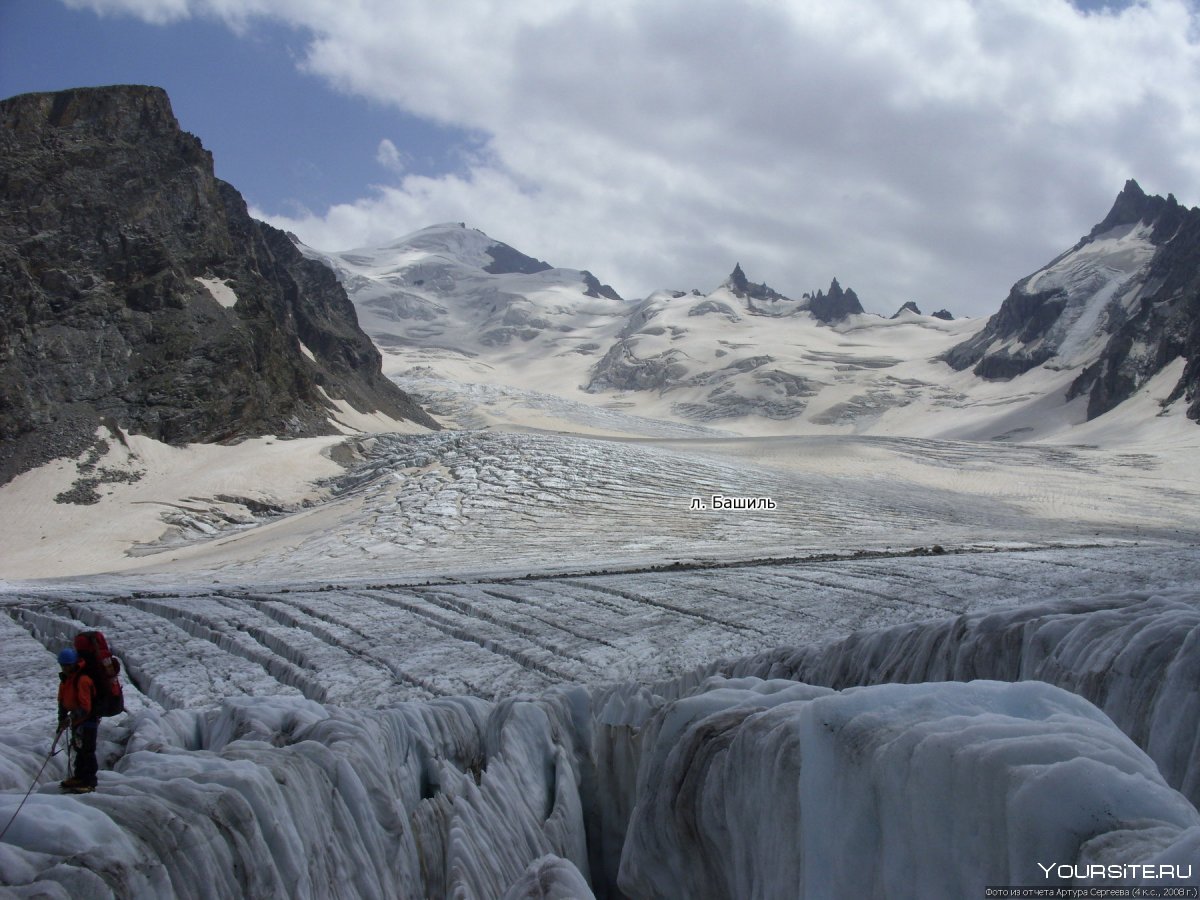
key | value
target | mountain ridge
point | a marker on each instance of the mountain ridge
(745, 353)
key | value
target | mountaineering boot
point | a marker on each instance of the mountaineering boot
(69, 783)
(79, 788)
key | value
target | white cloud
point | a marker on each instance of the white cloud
(157, 12)
(934, 150)
(390, 157)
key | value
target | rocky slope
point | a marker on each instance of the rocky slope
(139, 293)
(1119, 306)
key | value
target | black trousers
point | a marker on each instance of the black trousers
(83, 739)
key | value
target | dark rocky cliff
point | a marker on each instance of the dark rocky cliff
(109, 214)
(1151, 320)
(1165, 323)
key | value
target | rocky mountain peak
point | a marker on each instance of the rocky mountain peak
(596, 289)
(139, 292)
(1134, 206)
(1117, 308)
(836, 305)
(741, 286)
(1129, 207)
(737, 281)
(910, 306)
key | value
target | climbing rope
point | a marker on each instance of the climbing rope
(53, 752)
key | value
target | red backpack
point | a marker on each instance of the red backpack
(103, 668)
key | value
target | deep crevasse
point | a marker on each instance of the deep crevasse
(706, 787)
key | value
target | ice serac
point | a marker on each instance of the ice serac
(280, 797)
(1137, 661)
(706, 786)
(1118, 307)
(139, 291)
(764, 789)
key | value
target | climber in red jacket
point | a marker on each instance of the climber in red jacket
(76, 702)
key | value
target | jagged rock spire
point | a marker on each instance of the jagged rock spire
(737, 279)
(744, 287)
(1134, 205)
(836, 305)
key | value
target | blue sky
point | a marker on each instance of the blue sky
(285, 138)
(935, 150)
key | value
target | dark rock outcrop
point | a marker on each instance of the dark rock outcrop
(834, 306)
(910, 306)
(109, 215)
(596, 289)
(763, 300)
(507, 261)
(1023, 317)
(741, 286)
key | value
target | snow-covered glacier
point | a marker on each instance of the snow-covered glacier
(786, 774)
(495, 665)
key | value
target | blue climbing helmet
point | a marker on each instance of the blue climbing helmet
(68, 656)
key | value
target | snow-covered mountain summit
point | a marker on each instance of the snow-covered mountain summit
(454, 289)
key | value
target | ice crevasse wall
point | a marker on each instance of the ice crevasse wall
(788, 774)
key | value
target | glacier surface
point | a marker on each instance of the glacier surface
(255, 764)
